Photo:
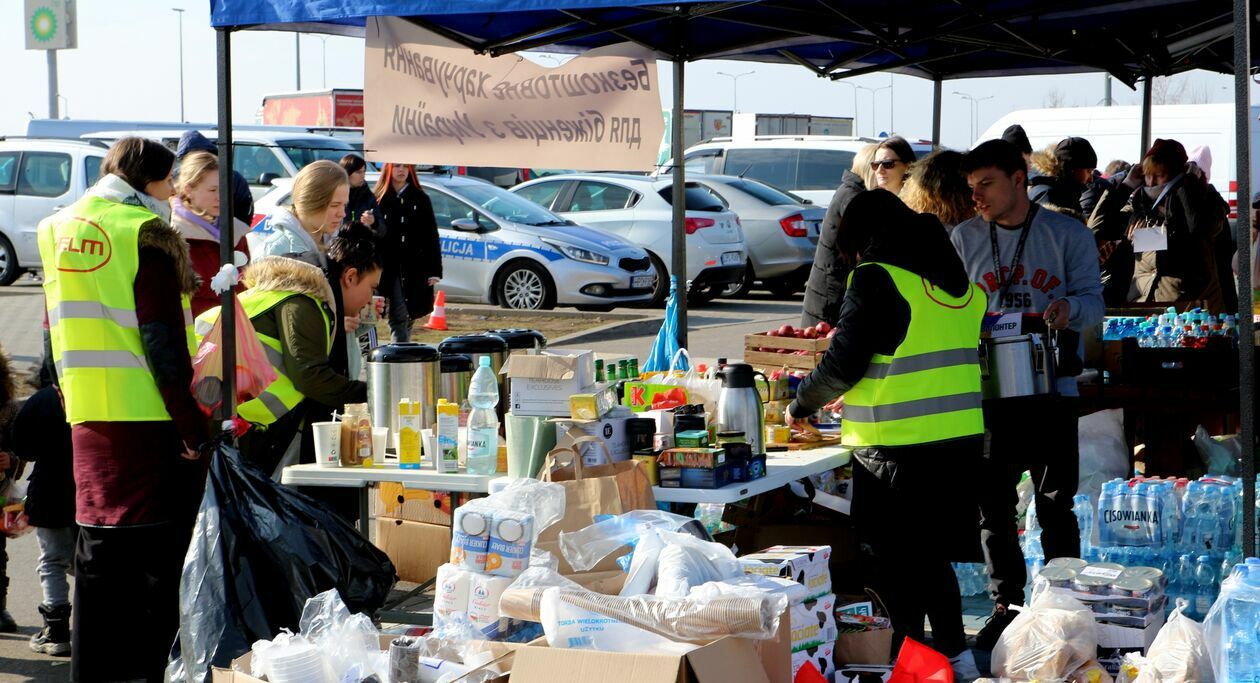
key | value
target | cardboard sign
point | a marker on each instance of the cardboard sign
(429, 100)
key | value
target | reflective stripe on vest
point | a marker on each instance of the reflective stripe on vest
(90, 255)
(928, 390)
(280, 396)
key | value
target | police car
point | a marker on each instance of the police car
(503, 249)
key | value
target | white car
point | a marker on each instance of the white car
(38, 178)
(260, 156)
(810, 166)
(639, 209)
(502, 249)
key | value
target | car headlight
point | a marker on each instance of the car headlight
(579, 254)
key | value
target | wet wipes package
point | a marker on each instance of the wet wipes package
(511, 535)
(814, 623)
(470, 538)
(806, 565)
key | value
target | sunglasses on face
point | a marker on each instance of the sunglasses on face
(888, 164)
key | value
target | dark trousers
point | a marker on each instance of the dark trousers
(126, 601)
(399, 317)
(1037, 435)
(912, 505)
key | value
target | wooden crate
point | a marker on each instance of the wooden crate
(766, 360)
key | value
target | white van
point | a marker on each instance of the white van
(810, 166)
(1115, 133)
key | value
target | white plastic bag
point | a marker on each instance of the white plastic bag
(1048, 640)
(542, 499)
(585, 548)
(1179, 653)
(347, 641)
(1104, 453)
(700, 388)
(687, 561)
(643, 563)
(570, 626)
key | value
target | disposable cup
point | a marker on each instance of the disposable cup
(380, 438)
(327, 443)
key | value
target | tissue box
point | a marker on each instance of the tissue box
(806, 565)
(543, 383)
(814, 623)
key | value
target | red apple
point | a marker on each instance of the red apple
(774, 333)
(787, 331)
(811, 332)
(823, 327)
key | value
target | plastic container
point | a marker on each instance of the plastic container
(483, 422)
(1091, 585)
(1134, 587)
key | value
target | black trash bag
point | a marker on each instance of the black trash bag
(259, 551)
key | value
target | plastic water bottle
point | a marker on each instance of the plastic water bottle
(1205, 585)
(483, 422)
(1084, 521)
(1241, 615)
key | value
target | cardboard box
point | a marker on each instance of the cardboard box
(814, 623)
(238, 673)
(417, 549)
(394, 501)
(548, 398)
(823, 656)
(806, 565)
(698, 457)
(572, 368)
(697, 477)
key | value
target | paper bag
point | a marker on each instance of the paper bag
(589, 491)
(866, 647)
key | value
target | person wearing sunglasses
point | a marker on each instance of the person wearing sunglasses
(891, 164)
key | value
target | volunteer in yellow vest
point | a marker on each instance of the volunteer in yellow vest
(904, 359)
(116, 280)
(291, 304)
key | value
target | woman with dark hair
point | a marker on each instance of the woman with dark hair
(117, 283)
(891, 164)
(904, 360)
(413, 252)
(362, 207)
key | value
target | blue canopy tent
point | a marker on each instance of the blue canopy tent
(1133, 40)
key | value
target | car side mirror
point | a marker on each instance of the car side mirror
(266, 178)
(809, 202)
(465, 225)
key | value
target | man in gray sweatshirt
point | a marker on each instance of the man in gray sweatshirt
(1034, 262)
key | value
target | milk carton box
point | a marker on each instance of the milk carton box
(806, 565)
(814, 623)
(511, 534)
(470, 538)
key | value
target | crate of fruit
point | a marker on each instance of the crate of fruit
(788, 347)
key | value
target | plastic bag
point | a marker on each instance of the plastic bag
(1130, 667)
(259, 552)
(918, 663)
(588, 547)
(1047, 640)
(254, 372)
(348, 641)
(1179, 652)
(542, 499)
(700, 388)
(1104, 453)
(1219, 456)
(1090, 672)
(687, 561)
(796, 592)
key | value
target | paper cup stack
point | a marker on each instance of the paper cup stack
(297, 663)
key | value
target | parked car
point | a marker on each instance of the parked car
(810, 166)
(639, 209)
(38, 178)
(780, 228)
(502, 249)
(260, 156)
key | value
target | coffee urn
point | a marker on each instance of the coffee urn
(457, 370)
(403, 370)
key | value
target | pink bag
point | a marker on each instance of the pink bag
(254, 372)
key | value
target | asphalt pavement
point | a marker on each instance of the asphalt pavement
(716, 331)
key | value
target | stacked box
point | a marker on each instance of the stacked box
(806, 565)
(813, 618)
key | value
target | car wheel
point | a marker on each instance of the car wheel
(741, 289)
(661, 292)
(784, 286)
(9, 269)
(524, 285)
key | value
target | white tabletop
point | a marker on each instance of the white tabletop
(781, 469)
(425, 478)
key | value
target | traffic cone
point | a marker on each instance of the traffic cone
(437, 319)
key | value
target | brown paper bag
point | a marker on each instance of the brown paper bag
(866, 647)
(588, 491)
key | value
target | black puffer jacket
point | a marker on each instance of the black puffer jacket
(825, 289)
(412, 248)
(874, 317)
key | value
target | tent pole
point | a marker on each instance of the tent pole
(1246, 324)
(227, 245)
(1146, 117)
(678, 255)
(936, 112)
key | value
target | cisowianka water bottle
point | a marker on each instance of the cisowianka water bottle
(1084, 521)
(1205, 586)
(483, 421)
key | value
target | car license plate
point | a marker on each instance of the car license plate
(732, 258)
(642, 281)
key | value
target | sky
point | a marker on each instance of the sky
(127, 66)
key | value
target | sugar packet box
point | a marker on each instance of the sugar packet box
(806, 565)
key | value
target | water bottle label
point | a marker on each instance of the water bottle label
(1132, 520)
(482, 443)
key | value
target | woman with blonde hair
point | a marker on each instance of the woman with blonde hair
(936, 186)
(320, 193)
(825, 288)
(195, 214)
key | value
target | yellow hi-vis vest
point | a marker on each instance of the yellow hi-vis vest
(90, 253)
(280, 396)
(928, 390)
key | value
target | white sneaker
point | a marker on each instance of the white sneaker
(964, 666)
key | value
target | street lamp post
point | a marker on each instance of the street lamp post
(735, 87)
(872, 91)
(180, 12)
(323, 57)
(975, 109)
(855, 104)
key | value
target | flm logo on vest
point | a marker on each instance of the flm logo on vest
(85, 250)
(930, 290)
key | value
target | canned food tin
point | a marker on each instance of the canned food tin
(1153, 573)
(1076, 564)
(662, 442)
(724, 438)
(1133, 587)
(1058, 577)
(1092, 585)
(1107, 565)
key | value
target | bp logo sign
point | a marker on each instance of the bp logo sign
(43, 24)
